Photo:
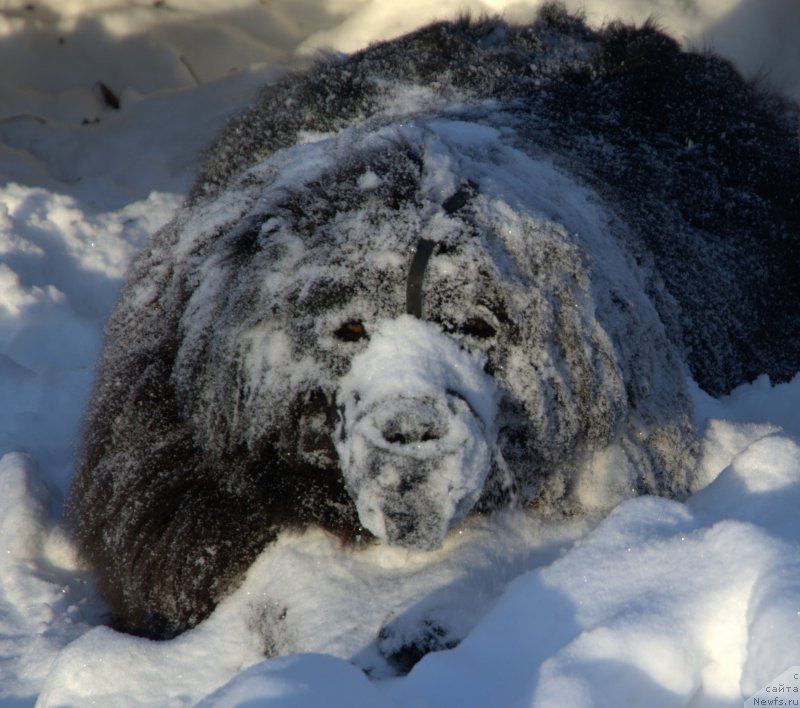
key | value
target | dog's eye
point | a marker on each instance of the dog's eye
(479, 328)
(351, 331)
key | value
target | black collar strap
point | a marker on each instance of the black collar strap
(416, 275)
(416, 271)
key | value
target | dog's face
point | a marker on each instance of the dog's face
(417, 433)
(442, 321)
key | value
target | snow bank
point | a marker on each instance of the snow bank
(62, 265)
(43, 602)
(300, 681)
(660, 604)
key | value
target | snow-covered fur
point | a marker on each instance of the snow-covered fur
(461, 270)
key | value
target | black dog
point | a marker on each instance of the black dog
(432, 279)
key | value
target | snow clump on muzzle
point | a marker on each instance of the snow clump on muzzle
(417, 433)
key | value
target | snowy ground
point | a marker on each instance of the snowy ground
(659, 604)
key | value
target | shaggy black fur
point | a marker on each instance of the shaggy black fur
(702, 166)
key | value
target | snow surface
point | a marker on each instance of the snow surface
(658, 604)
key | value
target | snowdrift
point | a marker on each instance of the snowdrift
(659, 604)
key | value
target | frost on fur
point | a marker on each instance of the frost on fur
(465, 269)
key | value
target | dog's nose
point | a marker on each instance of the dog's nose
(413, 421)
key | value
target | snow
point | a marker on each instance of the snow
(414, 399)
(657, 604)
